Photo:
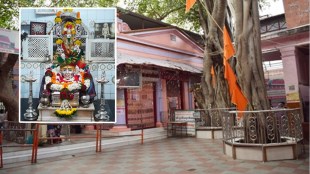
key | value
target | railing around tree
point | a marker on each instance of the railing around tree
(262, 126)
(211, 117)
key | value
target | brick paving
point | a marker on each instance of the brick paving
(172, 155)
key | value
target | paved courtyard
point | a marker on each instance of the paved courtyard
(172, 155)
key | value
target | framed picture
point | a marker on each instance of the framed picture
(105, 30)
(131, 79)
(37, 28)
(46, 11)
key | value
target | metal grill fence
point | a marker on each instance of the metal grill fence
(262, 127)
(211, 117)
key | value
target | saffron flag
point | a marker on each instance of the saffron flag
(239, 100)
(213, 76)
(229, 50)
(236, 95)
(231, 79)
(189, 5)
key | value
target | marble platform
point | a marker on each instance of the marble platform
(83, 115)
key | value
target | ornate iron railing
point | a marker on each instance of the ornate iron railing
(262, 127)
(19, 136)
(211, 117)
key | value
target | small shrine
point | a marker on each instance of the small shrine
(67, 89)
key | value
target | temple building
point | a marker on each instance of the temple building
(285, 43)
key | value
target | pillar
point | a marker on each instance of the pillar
(162, 104)
(120, 125)
(290, 74)
(185, 95)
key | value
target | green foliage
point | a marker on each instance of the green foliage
(80, 3)
(169, 11)
(173, 12)
(8, 13)
(9, 9)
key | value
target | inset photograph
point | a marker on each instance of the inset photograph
(9, 62)
(66, 71)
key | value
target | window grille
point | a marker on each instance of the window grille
(101, 50)
(37, 48)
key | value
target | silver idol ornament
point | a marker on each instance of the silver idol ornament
(85, 100)
(45, 101)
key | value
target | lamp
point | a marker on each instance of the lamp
(102, 114)
(30, 114)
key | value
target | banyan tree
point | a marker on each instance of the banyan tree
(242, 61)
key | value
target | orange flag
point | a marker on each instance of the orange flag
(231, 78)
(189, 5)
(239, 100)
(229, 50)
(213, 76)
(237, 97)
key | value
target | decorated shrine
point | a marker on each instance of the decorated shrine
(68, 82)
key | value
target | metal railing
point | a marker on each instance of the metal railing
(18, 136)
(36, 137)
(34, 143)
(211, 117)
(262, 126)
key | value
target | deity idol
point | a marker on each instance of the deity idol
(69, 77)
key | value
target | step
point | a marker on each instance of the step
(71, 149)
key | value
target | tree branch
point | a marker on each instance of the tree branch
(163, 16)
(203, 19)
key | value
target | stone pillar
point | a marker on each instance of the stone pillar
(290, 74)
(120, 125)
(42, 131)
(185, 95)
(163, 106)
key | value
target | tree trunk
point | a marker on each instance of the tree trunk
(248, 65)
(214, 88)
(7, 95)
(249, 68)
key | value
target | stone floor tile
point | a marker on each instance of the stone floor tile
(173, 155)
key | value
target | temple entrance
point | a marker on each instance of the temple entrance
(174, 97)
(141, 106)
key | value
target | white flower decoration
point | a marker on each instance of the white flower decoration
(87, 83)
(56, 87)
(74, 86)
(48, 79)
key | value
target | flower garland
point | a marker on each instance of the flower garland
(65, 113)
(65, 110)
(55, 82)
(65, 94)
